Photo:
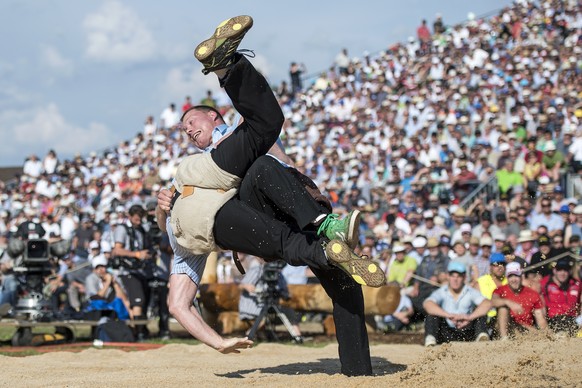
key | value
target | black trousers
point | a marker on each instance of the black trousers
(438, 327)
(272, 213)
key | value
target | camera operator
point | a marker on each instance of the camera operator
(31, 228)
(8, 281)
(131, 252)
(261, 281)
(161, 270)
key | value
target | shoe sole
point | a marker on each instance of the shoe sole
(363, 271)
(354, 230)
(230, 28)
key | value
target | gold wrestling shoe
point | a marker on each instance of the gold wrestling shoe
(363, 270)
(218, 51)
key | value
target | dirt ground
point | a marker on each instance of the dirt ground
(535, 361)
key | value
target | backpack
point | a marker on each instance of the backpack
(114, 331)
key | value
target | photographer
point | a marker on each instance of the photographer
(131, 253)
(160, 274)
(260, 282)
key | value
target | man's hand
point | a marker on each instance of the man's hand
(165, 199)
(515, 307)
(232, 345)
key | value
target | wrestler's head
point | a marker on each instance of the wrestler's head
(198, 123)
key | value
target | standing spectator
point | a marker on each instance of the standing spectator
(208, 100)
(149, 127)
(518, 306)
(295, 72)
(562, 295)
(187, 104)
(342, 61)
(50, 162)
(455, 312)
(32, 166)
(169, 117)
(424, 36)
(438, 26)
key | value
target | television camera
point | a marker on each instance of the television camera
(269, 292)
(31, 268)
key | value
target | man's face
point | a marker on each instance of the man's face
(400, 256)
(546, 207)
(456, 281)
(497, 270)
(514, 282)
(135, 219)
(198, 126)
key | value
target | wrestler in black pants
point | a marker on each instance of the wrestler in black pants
(272, 207)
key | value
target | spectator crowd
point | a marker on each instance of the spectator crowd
(462, 147)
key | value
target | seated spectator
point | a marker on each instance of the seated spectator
(518, 306)
(104, 291)
(486, 284)
(562, 295)
(546, 251)
(401, 268)
(398, 320)
(455, 312)
(547, 218)
(433, 269)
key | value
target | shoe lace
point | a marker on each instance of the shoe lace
(246, 52)
(326, 223)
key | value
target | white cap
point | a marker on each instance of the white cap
(394, 201)
(105, 247)
(550, 146)
(99, 260)
(419, 242)
(94, 245)
(465, 227)
(428, 214)
(398, 248)
(504, 147)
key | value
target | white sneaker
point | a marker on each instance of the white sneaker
(482, 337)
(430, 340)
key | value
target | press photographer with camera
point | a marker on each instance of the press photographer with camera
(160, 271)
(264, 284)
(131, 253)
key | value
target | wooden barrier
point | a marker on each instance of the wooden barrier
(309, 297)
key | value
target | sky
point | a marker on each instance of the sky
(81, 76)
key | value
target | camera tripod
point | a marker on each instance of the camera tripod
(270, 311)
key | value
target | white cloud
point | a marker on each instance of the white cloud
(38, 130)
(51, 57)
(115, 33)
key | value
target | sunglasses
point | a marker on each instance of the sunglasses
(498, 264)
(558, 241)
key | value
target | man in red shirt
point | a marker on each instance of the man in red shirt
(517, 306)
(561, 293)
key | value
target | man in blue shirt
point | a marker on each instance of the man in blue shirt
(456, 312)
